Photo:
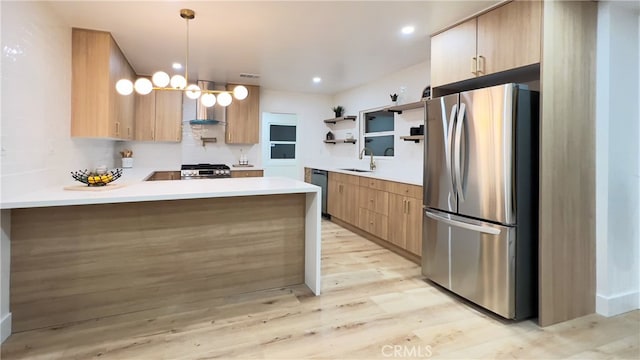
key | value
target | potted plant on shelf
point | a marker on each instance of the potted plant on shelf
(338, 111)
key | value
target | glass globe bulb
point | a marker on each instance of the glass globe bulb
(208, 100)
(193, 91)
(240, 92)
(224, 99)
(178, 82)
(124, 87)
(143, 86)
(160, 79)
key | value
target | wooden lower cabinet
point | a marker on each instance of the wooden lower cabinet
(342, 197)
(405, 226)
(389, 210)
(307, 175)
(246, 173)
(373, 223)
(373, 200)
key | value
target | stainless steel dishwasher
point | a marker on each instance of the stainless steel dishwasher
(319, 178)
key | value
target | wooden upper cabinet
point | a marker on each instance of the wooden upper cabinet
(159, 116)
(452, 54)
(168, 116)
(509, 37)
(501, 39)
(243, 118)
(97, 110)
(145, 117)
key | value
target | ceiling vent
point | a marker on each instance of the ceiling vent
(249, 76)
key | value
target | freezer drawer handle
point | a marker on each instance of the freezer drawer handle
(478, 228)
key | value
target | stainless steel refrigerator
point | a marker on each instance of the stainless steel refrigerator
(481, 195)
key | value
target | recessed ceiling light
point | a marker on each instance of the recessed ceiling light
(408, 30)
(177, 66)
(317, 79)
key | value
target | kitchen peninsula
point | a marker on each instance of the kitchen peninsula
(79, 255)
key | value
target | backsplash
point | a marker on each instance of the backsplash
(36, 147)
(169, 156)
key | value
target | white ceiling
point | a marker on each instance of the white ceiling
(346, 43)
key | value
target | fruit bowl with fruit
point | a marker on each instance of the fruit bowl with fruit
(92, 178)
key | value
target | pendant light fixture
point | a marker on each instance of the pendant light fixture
(161, 81)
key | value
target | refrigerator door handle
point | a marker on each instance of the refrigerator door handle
(449, 146)
(464, 225)
(457, 166)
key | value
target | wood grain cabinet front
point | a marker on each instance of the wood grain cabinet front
(507, 37)
(246, 173)
(405, 223)
(97, 110)
(243, 118)
(159, 116)
(342, 197)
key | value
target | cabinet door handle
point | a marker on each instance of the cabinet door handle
(117, 128)
(153, 135)
(474, 65)
(128, 131)
(407, 206)
(481, 62)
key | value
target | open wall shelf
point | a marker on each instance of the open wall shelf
(415, 138)
(342, 118)
(409, 106)
(341, 141)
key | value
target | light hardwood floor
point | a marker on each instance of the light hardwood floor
(373, 303)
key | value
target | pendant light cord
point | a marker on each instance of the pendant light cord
(186, 64)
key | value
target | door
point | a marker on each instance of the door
(279, 145)
(438, 189)
(483, 155)
(435, 250)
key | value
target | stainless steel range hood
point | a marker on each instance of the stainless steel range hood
(210, 115)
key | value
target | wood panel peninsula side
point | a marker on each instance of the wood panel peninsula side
(77, 257)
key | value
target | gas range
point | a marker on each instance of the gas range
(205, 171)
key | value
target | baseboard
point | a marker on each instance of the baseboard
(617, 304)
(5, 327)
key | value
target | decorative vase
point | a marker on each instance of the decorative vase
(127, 162)
(330, 136)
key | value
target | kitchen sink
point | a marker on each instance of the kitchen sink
(163, 175)
(357, 170)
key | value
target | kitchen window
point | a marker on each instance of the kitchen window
(379, 132)
(283, 141)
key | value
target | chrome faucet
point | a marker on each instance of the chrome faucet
(372, 164)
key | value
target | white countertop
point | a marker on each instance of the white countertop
(397, 176)
(136, 190)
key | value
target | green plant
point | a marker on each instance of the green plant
(338, 110)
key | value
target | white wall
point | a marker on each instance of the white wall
(617, 160)
(35, 115)
(309, 108)
(408, 84)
